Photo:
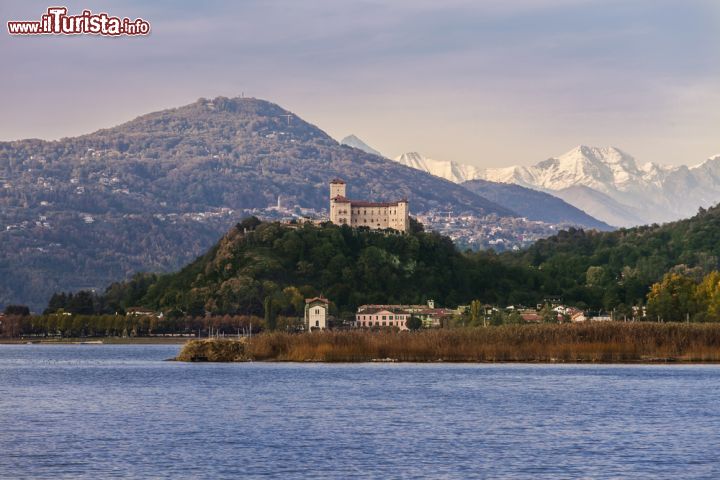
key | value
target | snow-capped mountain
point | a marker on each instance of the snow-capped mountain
(355, 142)
(606, 183)
(453, 171)
(632, 193)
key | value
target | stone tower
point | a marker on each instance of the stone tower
(337, 188)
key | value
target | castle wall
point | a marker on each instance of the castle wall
(375, 216)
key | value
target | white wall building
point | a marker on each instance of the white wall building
(316, 313)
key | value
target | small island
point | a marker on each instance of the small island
(601, 342)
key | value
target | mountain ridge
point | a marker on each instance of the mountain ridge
(627, 193)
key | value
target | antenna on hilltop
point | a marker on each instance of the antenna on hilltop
(288, 116)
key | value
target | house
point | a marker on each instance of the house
(396, 316)
(374, 215)
(382, 316)
(531, 317)
(316, 313)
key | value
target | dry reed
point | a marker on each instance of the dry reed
(589, 342)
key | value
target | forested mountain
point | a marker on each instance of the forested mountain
(533, 204)
(153, 193)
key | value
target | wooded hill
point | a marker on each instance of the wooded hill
(257, 263)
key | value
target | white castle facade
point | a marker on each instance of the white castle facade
(374, 215)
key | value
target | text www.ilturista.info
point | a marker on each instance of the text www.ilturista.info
(57, 22)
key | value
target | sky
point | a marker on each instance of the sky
(485, 82)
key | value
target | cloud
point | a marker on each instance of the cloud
(427, 75)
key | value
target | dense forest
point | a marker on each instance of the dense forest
(614, 270)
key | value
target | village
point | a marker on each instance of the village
(429, 315)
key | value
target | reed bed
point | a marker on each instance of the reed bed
(592, 342)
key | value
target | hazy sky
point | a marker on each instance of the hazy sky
(490, 83)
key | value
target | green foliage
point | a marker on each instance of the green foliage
(413, 323)
(270, 268)
(681, 297)
(606, 269)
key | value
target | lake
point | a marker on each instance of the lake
(104, 411)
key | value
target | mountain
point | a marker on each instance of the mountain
(648, 193)
(157, 191)
(453, 171)
(355, 142)
(533, 204)
(607, 183)
(600, 205)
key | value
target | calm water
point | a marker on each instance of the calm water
(120, 411)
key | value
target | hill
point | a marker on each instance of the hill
(533, 204)
(616, 269)
(156, 192)
(257, 262)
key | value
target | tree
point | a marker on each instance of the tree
(707, 296)
(548, 315)
(270, 313)
(514, 318)
(594, 276)
(476, 311)
(672, 299)
(414, 323)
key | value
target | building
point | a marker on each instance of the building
(396, 316)
(374, 215)
(316, 313)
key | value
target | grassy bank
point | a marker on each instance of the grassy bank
(600, 342)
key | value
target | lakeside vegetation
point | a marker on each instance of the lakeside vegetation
(65, 326)
(597, 342)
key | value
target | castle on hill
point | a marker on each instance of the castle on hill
(374, 215)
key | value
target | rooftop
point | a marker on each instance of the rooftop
(360, 203)
(317, 299)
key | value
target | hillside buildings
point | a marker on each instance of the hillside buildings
(316, 313)
(374, 215)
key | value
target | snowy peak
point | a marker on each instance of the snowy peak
(455, 172)
(626, 193)
(355, 142)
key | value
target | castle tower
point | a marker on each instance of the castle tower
(337, 188)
